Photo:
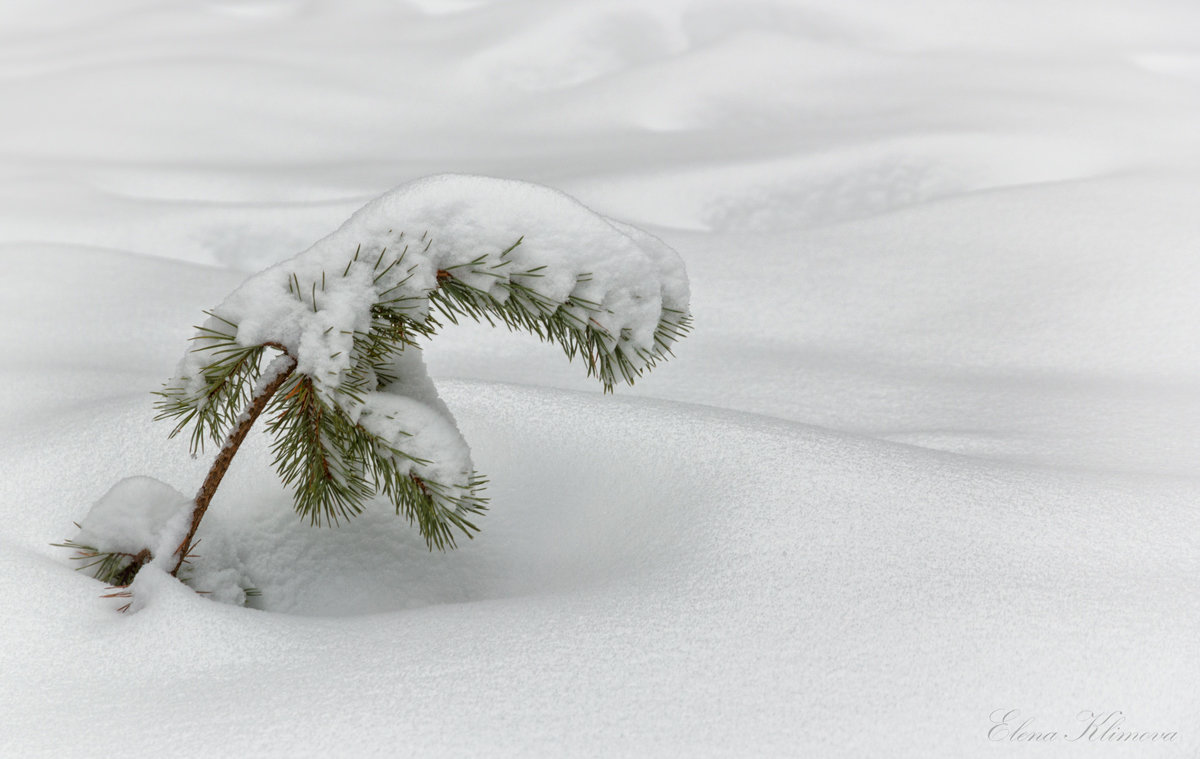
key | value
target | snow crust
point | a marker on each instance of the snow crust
(930, 451)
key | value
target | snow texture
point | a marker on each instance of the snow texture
(929, 453)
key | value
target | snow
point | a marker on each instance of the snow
(423, 433)
(138, 513)
(928, 453)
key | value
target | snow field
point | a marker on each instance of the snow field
(929, 452)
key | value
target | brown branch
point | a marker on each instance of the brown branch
(225, 457)
(125, 576)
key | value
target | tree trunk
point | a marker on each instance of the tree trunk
(232, 443)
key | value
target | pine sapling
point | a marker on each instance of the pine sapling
(328, 346)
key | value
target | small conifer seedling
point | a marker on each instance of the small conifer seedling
(327, 345)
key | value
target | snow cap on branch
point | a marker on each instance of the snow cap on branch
(448, 223)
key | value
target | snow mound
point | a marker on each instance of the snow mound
(138, 513)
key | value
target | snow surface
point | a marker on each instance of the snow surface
(929, 452)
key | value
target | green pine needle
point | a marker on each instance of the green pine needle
(110, 567)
